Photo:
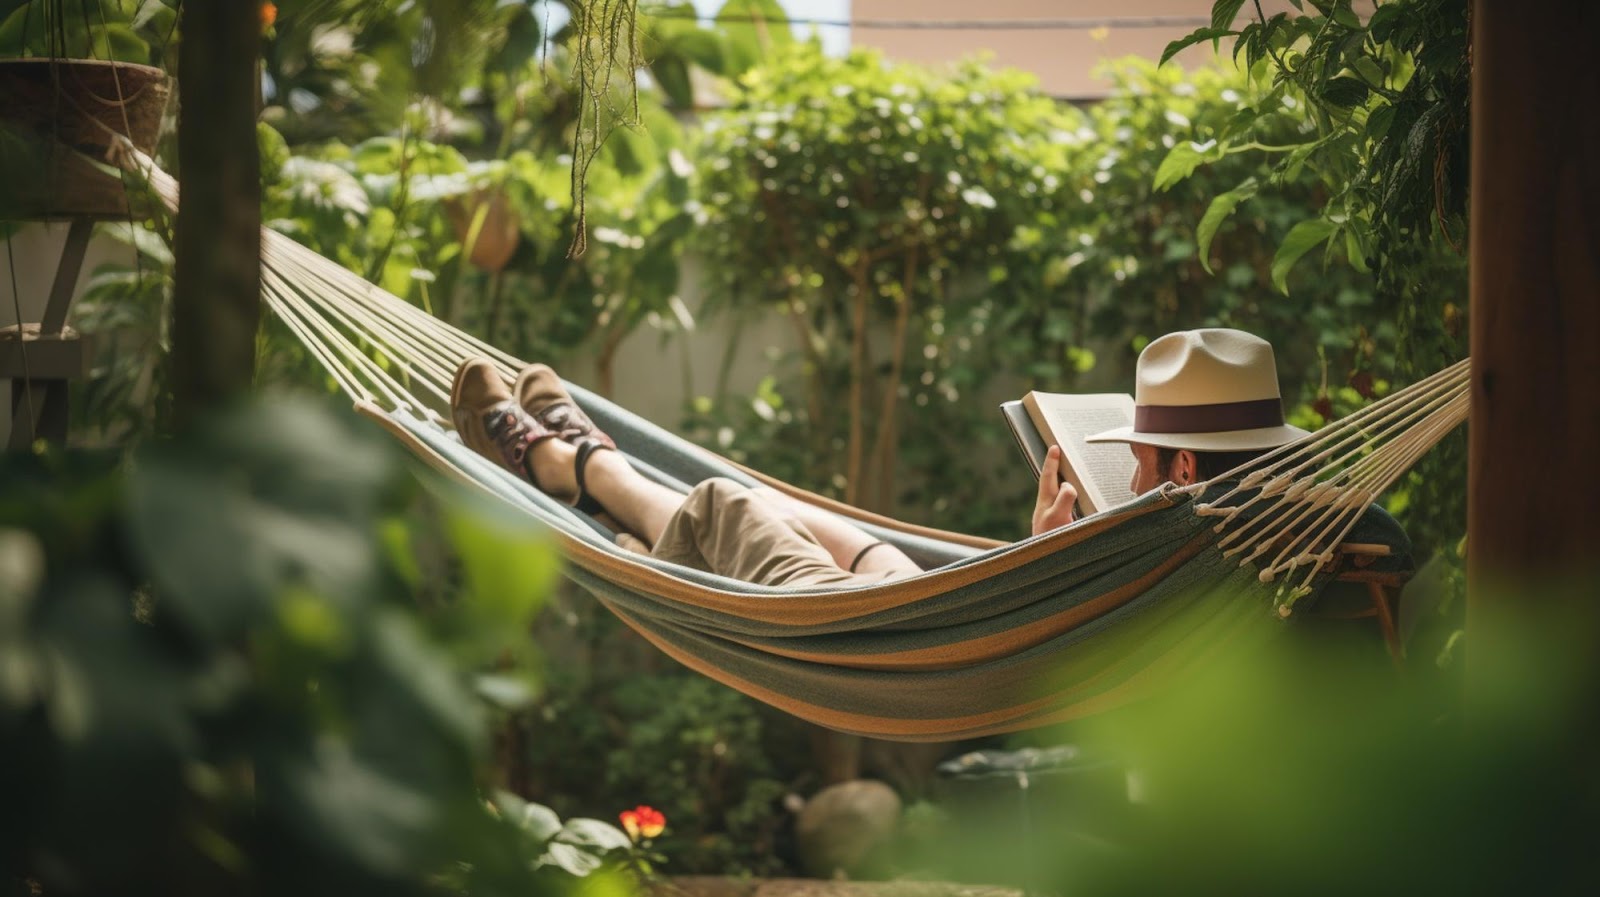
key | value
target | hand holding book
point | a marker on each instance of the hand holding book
(1099, 474)
(1057, 497)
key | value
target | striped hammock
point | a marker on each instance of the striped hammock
(992, 637)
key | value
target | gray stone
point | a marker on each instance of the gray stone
(843, 827)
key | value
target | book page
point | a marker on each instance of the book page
(1100, 471)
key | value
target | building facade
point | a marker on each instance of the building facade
(1063, 42)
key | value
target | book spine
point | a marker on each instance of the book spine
(1029, 442)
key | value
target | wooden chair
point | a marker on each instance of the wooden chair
(1354, 560)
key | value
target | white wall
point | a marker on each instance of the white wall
(658, 372)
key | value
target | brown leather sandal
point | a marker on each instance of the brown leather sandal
(493, 424)
(539, 391)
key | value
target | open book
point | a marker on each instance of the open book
(1100, 472)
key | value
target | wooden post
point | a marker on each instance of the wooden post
(1533, 502)
(216, 302)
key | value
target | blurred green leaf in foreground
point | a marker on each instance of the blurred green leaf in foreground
(1310, 767)
(222, 669)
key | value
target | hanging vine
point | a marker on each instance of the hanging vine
(607, 33)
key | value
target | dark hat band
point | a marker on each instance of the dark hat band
(1217, 418)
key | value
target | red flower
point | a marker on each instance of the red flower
(643, 822)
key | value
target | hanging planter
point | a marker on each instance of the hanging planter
(57, 104)
(486, 226)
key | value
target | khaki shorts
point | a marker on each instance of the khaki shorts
(725, 528)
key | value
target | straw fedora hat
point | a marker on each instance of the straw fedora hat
(1212, 390)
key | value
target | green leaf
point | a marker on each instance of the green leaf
(1223, 12)
(1192, 38)
(1218, 212)
(593, 835)
(540, 821)
(508, 565)
(570, 859)
(11, 36)
(1353, 251)
(1344, 92)
(1384, 19)
(521, 44)
(691, 43)
(289, 486)
(1378, 123)
(351, 807)
(154, 16)
(581, 844)
(273, 148)
(1302, 238)
(673, 76)
(1182, 160)
(121, 43)
(754, 29)
(1369, 69)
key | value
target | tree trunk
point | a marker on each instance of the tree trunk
(817, 431)
(216, 296)
(888, 432)
(855, 466)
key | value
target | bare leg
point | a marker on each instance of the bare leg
(642, 506)
(843, 540)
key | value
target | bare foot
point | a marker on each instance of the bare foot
(632, 543)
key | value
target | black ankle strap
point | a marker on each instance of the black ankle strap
(585, 502)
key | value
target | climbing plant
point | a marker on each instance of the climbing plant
(1384, 130)
(1386, 108)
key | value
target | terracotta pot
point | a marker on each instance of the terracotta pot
(76, 104)
(497, 238)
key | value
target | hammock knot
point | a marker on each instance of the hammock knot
(1280, 484)
(1254, 478)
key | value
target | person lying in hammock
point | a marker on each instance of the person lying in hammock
(1206, 401)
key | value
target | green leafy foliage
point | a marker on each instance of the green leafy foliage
(1301, 239)
(1310, 758)
(620, 729)
(1108, 227)
(1384, 133)
(136, 31)
(1386, 101)
(211, 659)
(578, 846)
(885, 193)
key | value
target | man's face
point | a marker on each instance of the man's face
(1148, 474)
